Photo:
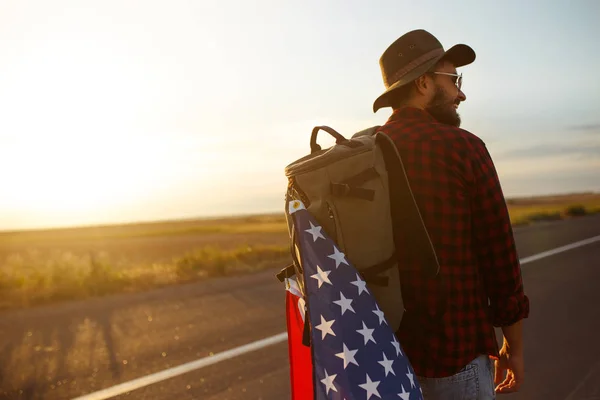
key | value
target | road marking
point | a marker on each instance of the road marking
(594, 372)
(182, 369)
(559, 250)
(226, 355)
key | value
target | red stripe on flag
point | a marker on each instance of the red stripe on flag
(300, 355)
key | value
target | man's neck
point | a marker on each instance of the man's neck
(413, 103)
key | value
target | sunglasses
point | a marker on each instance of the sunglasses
(457, 81)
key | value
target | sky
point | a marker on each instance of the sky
(122, 111)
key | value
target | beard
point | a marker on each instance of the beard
(441, 107)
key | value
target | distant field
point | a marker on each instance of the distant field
(528, 210)
(49, 265)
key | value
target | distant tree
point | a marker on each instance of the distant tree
(576, 211)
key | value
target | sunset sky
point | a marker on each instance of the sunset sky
(118, 111)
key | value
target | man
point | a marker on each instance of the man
(448, 325)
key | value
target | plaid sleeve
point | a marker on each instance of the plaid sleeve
(495, 244)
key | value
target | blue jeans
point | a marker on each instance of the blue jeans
(474, 382)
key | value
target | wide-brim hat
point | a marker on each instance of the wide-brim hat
(413, 54)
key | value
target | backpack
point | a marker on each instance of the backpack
(359, 193)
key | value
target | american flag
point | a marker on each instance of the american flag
(353, 353)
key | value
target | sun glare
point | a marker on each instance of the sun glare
(72, 131)
(68, 175)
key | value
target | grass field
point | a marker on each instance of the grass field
(535, 209)
(43, 266)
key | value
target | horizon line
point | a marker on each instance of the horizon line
(226, 216)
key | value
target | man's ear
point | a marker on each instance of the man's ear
(423, 84)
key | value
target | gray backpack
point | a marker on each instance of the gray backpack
(359, 193)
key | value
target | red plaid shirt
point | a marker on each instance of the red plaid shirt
(456, 187)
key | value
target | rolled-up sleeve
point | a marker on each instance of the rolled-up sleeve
(495, 245)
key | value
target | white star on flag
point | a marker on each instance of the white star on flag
(328, 382)
(344, 303)
(411, 377)
(404, 395)
(387, 364)
(360, 284)
(321, 276)
(325, 327)
(379, 313)
(315, 231)
(367, 333)
(371, 387)
(397, 346)
(338, 256)
(347, 356)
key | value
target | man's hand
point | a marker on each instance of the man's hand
(510, 371)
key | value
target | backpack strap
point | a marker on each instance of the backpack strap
(405, 211)
(286, 272)
(407, 216)
(362, 177)
(339, 139)
(371, 273)
(350, 187)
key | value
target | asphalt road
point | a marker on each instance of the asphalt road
(68, 350)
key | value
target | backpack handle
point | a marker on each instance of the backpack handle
(313, 137)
